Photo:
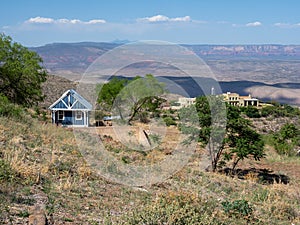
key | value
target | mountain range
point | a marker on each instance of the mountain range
(76, 57)
(270, 72)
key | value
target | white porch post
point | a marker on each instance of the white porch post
(87, 118)
(84, 118)
(53, 116)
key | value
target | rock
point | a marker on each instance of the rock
(38, 216)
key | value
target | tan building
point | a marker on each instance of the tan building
(237, 100)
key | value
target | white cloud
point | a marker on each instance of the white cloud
(254, 24)
(39, 19)
(286, 25)
(157, 18)
(96, 21)
(181, 19)
(44, 20)
(162, 18)
(282, 24)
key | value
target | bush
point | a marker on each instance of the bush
(6, 172)
(286, 139)
(155, 139)
(178, 209)
(280, 111)
(237, 208)
(169, 121)
(251, 112)
(9, 109)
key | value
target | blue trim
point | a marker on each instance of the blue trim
(82, 100)
(78, 105)
(60, 105)
(70, 118)
(71, 102)
(70, 97)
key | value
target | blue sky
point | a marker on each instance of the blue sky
(34, 23)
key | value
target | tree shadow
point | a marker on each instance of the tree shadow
(263, 176)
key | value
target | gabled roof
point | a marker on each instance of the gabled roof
(71, 100)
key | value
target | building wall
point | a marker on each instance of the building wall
(69, 119)
(237, 100)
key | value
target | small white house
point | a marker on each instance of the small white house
(71, 109)
(183, 102)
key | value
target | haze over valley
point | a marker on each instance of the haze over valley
(269, 72)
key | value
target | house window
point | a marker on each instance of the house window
(78, 115)
(61, 115)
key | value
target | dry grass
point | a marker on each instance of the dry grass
(44, 158)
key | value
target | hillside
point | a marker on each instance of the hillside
(53, 88)
(41, 165)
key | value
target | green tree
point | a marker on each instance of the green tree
(241, 139)
(21, 73)
(236, 141)
(138, 98)
(109, 92)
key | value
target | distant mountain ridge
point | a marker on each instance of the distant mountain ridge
(75, 57)
(269, 72)
(78, 56)
(246, 50)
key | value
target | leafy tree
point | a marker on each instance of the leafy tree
(132, 99)
(204, 114)
(109, 92)
(21, 73)
(236, 141)
(198, 123)
(241, 139)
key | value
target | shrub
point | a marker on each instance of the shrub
(155, 139)
(125, 159)
(6, 172)
(169, 121)
(251, 112)
(286, 139)
(278, 110)
(173, 209)
(237, 208)
(9, 109)
(23, 214)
